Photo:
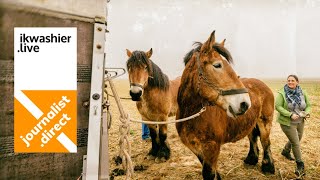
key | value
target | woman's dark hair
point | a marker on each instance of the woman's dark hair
(294, 76)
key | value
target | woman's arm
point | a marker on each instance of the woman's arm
(308, 105)
(280, 108)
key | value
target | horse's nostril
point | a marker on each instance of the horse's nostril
(244, 107)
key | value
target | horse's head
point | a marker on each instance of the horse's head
(216, 81)
(139, 70)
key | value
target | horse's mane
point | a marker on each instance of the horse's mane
(217, 47)
(157, 78)
(188, 56)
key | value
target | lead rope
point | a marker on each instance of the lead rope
(125, 146)
(173, 121)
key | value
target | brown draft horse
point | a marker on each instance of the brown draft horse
(155, 96)
(235, 108)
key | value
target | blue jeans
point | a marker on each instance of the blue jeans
(145, 132)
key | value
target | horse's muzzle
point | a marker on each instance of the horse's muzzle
(136, 91)
(136, 96)
(243, 108)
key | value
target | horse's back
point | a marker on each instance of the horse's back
(260, 94)
(257, 87)
(174, 87)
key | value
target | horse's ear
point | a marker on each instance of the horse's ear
(129, 53)
(149, 53)
(212, 39)
(210, 42)
(222, 43)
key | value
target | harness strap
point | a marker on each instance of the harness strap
(234, 91)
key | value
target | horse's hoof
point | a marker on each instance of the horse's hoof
(163, 156)
(267, 168)
(153, 152)
(211, 175)
(164, 152)
(251, 160)
(151, 157)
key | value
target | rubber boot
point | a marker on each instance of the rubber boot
(300, 168)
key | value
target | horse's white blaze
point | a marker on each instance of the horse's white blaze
(234, 101)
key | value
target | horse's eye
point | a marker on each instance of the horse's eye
(218, 65)
(146, 68)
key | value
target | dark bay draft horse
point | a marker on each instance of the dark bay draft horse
(155, 96)
(235, 108)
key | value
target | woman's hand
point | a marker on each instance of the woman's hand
(295, 116)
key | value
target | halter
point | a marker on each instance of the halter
(139, 85)
(136, 84)
(221, 92)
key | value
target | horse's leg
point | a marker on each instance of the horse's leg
(209, 159)
(267, 161)
(253, 155)
(155, 145)
(164, 150)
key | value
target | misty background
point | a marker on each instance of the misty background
(267, 38)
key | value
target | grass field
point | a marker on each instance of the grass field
(183, 164)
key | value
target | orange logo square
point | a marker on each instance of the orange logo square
(46, 121)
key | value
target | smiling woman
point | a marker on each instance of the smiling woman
(293, 106)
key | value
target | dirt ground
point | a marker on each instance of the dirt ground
(183, 164)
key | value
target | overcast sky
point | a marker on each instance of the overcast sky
(267, 38)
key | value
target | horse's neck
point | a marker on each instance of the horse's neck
(159, 79)
(148, 92)
(189, 99)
